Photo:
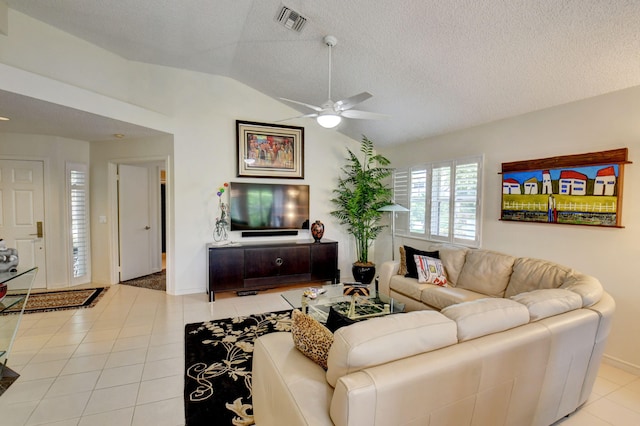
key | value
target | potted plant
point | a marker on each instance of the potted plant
(359, 195)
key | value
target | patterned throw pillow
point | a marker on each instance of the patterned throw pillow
(430, 270)
(410, 252)
(311, 338)
(403, 262)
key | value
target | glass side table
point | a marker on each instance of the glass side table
(18, 288)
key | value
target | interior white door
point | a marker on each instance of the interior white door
(134, 222)
(22, 213)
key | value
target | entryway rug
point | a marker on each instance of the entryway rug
(218, 361)
(157, 281)
(60, 300)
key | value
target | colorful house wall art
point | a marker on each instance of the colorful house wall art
(583, 189)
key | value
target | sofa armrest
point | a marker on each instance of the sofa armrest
(353, 401)
(588, 287)
(387, 270)
(288, 388)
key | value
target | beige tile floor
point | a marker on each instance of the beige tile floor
(121, 363)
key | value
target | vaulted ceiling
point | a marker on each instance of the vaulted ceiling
(432, 66)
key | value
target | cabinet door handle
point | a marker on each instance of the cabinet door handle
(279, 261)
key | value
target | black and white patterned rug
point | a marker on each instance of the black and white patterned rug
(218, 361)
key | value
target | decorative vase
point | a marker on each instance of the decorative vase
(317, 230)
(363, 273)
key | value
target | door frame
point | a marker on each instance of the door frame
(112, 194)
(46, 189)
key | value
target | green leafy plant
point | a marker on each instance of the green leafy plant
(359, 195)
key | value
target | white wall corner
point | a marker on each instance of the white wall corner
(4, 18)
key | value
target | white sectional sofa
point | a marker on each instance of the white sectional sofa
(512, 341)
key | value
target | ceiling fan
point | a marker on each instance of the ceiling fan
(330, 114)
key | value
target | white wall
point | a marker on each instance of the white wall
(198, 110)
(597, 124)
(55, 152)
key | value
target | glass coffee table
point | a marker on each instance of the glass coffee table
(355, 308)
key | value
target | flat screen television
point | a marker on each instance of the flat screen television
(268, 206)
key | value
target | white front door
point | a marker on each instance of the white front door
(22, 213)
(134, 222)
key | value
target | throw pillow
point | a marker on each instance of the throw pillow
(412, 270)
(403, 262)
(430, 271)
(336, 320)
(311, 338)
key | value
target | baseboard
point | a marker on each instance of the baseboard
(622, 365)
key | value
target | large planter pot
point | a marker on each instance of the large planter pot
(363, 273)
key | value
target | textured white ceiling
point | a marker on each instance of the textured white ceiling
(35, 116)
(433, 66)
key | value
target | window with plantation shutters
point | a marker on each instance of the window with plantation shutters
(78, 204)
(444, 201)
(440, 201)
(401, 196)
(465, 205)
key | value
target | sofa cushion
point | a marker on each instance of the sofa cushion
(453, 261)
(311, 338)
(384, 339)
(430, 270)
(412, 270)
(534, 274)
(441, 297)
(548, 302)
(486, 316)
(407, 286)
(486, 272)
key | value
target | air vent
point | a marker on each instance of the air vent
(291, 19)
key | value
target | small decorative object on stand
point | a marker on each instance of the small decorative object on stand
(317, 230)
(8, 263)
(220, 232)
(8, 258)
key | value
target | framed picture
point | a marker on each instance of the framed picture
(270, 150)
(582, 189)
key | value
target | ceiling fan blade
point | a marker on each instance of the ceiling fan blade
(313, 114)
(364, 115)
(313, 107)
(352, 101)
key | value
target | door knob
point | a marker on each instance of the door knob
(39, 232)
(147, 227)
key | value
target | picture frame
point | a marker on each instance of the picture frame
(269, 150)
(581, 189)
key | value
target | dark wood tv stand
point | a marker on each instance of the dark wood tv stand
(254, 266)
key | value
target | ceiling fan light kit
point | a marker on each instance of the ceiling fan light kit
(330, 114)
(328, 121)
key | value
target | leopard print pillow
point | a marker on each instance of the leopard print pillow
(311, 338)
